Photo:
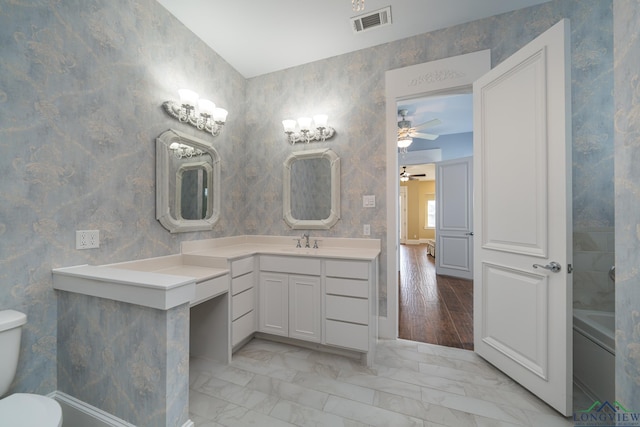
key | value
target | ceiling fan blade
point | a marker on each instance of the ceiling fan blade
(428, 136)
(430, 123)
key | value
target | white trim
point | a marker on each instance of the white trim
(436, 77)
(79, 413)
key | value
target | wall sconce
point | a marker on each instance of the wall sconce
(205, 117)
(307, 132)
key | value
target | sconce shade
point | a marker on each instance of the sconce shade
(206, 107)
(289, 125)
(188, 97)
(304, 123)
(220, 115)
(320, 120)
(319, 131)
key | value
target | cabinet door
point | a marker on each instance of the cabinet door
(274, 303)
(304, 307)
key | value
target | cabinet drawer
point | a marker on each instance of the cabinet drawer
(243, 327)
(242, 303)
(242, 283)
(348, 269)
(347, 309)
(296, 265)
(347, 335)
(211, 288)
(241, 266)
(348, 287)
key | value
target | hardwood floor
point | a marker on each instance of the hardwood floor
(433, 309)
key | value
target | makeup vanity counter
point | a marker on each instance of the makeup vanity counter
(246, 285)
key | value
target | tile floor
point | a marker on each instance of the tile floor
(411, 384)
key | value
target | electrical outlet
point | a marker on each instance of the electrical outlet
(366, 229)
(87, 239)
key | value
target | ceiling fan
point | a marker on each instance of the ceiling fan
(405, 130)
(406, 176)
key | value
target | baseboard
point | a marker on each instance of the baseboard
(76, 413)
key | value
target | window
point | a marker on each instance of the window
(430, 214)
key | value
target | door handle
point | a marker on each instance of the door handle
(553, 266)
(469, 233)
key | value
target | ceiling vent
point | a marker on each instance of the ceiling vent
(368, 21)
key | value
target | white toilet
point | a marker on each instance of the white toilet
(20, 409)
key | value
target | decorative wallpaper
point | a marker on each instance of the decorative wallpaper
(627, 180)
(143, 346)
(81, 88)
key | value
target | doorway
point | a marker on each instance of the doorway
(435, 303)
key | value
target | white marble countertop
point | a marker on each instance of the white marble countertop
(168, 281)
(238, 247)
(149, 289)
(176, 265)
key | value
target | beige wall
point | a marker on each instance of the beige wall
(417, 192)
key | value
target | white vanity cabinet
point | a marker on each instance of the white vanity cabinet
(290, 297)
(350, 305)
(243, 299)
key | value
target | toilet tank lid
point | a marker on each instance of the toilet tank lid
(11, 319)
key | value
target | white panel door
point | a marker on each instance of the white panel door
(454, 218)
(522, 217)
(304, 308)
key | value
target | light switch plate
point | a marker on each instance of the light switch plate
(369, 201)
(366, 230)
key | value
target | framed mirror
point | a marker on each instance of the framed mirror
(187, 182)
(311, 189)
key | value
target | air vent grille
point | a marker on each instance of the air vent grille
(375, 19)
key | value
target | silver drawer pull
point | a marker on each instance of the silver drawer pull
(552, 266)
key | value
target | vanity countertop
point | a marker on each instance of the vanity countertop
(161, 282)
(242, 246)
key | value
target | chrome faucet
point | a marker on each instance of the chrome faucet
(306, 237)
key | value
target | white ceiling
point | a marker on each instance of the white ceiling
(258, 36)
(429, 170)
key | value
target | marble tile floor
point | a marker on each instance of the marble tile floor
(411, 384)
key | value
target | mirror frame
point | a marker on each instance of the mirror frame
(163, 175)
(334, 216)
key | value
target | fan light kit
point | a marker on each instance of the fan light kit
(406, 176)
(406, 132)
(307, 132)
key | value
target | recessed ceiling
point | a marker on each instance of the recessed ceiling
(258, 37)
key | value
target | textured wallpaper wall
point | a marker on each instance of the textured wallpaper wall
(81, 89)
(350, 89)
(627, 179)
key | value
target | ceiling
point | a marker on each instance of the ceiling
(258, 37)
(454, 111)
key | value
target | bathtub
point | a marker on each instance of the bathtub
(594, 353)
